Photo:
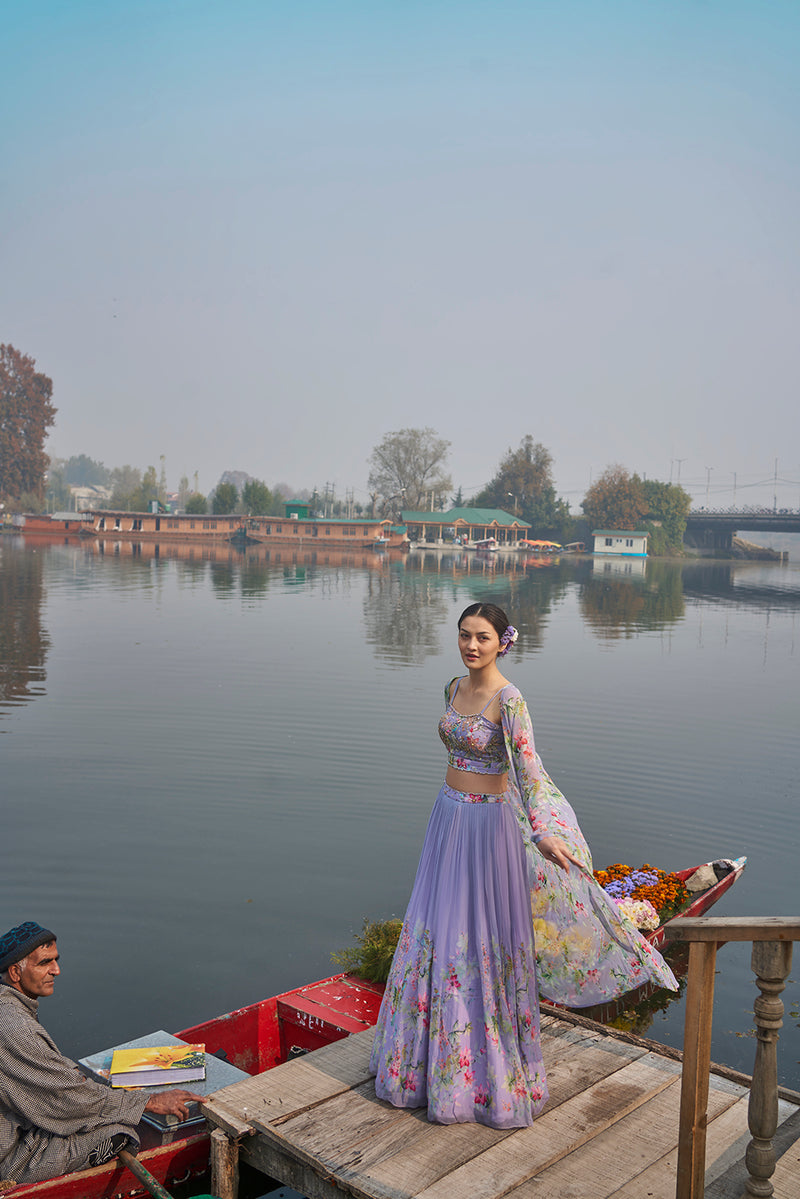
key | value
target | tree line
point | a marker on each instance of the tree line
(410, 465)
(408, 472)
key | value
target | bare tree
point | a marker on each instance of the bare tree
(407, 469)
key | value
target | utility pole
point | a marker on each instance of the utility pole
(679, 461)
(708, 481)
(775, 492)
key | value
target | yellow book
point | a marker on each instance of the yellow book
(158, 1065)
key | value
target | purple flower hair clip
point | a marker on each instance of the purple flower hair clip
(507, 640)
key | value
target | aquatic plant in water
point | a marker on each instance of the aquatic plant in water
(372, 957)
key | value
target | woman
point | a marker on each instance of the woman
(503, 861)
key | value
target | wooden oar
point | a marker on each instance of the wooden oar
(147, 1180)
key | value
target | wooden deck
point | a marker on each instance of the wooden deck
(609, 1128)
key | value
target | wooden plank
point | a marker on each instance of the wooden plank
(728, 1127)
(617, 1034)
(728, 1176)
(313, 1184)
(354, 1133)
(346, 1060)
(294, 1086)
(623, 1151)
(735, 928)
(696, 1065)
(563, 1040)
(331, 1070)
(557, 1133)
(231, 1122)
(786, 1178)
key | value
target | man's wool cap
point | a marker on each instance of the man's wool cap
(18, 942)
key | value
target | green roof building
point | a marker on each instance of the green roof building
(465, 524)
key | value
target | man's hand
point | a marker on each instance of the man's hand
(173, 1103)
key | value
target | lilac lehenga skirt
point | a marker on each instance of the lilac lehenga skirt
(458, 1028)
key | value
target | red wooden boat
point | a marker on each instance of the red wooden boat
(609, 1013)
(264, 1035)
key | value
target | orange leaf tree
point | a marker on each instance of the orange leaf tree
(616, 500)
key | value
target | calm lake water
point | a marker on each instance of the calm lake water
(215, 766)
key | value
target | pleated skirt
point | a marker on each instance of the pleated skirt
(458, 1029)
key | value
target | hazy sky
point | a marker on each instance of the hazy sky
(259, 234)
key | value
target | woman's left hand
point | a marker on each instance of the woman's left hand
(556, 851)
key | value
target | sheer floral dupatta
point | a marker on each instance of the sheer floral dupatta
(587, 951)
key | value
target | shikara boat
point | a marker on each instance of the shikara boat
(264, 1035)
(539, 547)
(697, 905)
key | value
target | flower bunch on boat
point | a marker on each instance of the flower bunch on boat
(640, 911)
(629, 886)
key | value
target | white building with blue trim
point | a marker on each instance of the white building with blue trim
(623, 543)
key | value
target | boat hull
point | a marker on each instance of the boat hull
(172, 1165)
(608, 1013)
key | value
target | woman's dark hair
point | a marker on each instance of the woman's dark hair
(496, 616)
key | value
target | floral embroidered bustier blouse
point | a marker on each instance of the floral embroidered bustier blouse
(473, 743)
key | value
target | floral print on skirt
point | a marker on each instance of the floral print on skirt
(458, 1029)
(492, 924)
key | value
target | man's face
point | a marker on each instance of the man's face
(36, 976)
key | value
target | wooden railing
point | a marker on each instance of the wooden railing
(772, 938)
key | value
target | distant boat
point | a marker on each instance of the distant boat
(539, 547)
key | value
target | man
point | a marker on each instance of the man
(53, 1119)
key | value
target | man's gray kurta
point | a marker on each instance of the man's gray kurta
(51, 1116)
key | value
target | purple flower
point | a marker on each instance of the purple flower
(507, 640)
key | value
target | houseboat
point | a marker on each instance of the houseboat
(60, 523)
(292, 529)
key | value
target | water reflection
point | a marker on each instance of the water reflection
(407, 609)
(754, 585)
(404, 616)
(407, 600)
(616, 606)
(23, 641)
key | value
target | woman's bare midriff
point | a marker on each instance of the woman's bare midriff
(474, 783)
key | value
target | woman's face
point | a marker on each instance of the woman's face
(478, 642)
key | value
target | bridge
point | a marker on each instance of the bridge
(716, 528)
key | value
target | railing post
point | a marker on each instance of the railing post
(696, 1069)
(771, 963)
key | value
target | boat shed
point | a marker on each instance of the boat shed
(624, 543)
(466, 525)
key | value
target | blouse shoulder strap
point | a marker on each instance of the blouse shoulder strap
(491, 697)
(449, 694)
